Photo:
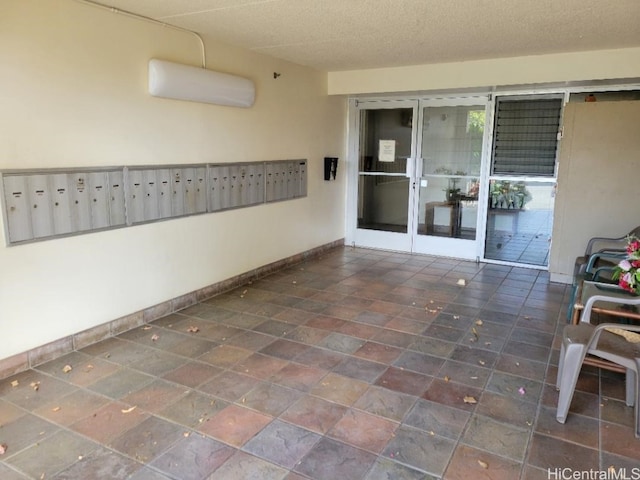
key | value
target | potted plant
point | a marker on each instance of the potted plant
(508, 195)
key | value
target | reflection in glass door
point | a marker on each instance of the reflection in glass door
(519, 220)
(451, 147)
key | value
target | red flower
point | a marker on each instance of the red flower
(633, 247)
(625, 285)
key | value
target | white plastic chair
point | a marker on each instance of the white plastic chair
(584, 339)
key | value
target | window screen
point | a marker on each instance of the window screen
(526, 136)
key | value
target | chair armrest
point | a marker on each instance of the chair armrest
(589, 250)
(596, 273)
(607, 255)
(588, 306)
(595, 337)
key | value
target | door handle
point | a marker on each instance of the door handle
(409, 172)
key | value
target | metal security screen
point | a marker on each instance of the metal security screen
(526, 136)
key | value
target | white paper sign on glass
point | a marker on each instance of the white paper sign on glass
(387, 151)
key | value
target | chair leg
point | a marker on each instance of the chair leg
(637, 407)
(560, 366)
(572, 301)
(630, 387)
(571, 364)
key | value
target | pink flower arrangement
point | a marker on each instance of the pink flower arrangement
(627, 272)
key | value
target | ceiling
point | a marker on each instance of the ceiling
(333, 35)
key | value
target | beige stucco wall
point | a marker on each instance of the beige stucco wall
(481, 74)
(597, 179)
(73, 93)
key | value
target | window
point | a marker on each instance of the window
(526, 136)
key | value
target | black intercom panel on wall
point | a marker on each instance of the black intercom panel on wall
(330, 167)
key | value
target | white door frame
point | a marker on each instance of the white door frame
(383, 240)
(447, 246)
(409, 242)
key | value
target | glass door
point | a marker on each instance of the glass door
(385, 155)
(522, 180)
(451, 147)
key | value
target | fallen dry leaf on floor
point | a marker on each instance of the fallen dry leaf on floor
(193, 329)
(446, 378)
(67, 368)
(475, 335)
(147, 327)
(479, 323)
(55, 409)
(154, 337)
(15, 383)
(128, 410)
(462, 282)
(481, 362)
(35, 385)
(483, 464)
(456, 317)
(469, 399)
(3, 449)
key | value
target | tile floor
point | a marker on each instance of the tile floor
(353, 366)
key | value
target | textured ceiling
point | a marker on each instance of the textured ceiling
(336, 35)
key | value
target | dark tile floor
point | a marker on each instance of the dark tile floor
(353, 366)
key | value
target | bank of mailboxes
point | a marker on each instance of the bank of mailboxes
(161, 193)
(234, 186)
(285, 180)
(48, 204)
(45, 205)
